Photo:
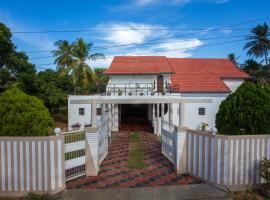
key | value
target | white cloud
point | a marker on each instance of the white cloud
(225, 30)
(144, 3)
(130, 36)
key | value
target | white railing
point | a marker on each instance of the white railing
(74, 154)
(168, 140)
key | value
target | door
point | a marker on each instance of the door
(160, 83)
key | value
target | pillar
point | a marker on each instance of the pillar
(157, 120)
(181, 114)
(94, 114)
(181, 150)
(162, 116)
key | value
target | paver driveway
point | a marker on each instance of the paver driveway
(114, 172)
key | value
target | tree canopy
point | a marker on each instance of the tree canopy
(14, 65)
(23, 115)
(258, 43)
(246, 111)
(72, 59)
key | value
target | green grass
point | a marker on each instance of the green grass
(135, 154)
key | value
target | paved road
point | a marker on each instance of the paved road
(187, 192)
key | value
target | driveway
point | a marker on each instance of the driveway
(114, 172)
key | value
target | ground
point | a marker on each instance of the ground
(249, 195)
(114, 171)
(60, 121)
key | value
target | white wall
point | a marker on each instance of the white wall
(73, 112)
(114, 79)
(233, 84)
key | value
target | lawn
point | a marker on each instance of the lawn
(135, 154)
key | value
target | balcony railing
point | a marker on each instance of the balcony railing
(140, 89)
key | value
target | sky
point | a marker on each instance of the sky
(172, 28)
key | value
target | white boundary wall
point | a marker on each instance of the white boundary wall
(31, 164)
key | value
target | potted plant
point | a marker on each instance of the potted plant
(265, 174)
(75, 126)
(119, 92)
(203, 126)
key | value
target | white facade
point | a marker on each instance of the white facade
(190, 114)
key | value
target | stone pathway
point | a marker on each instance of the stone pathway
(186, 192)
(114, 172)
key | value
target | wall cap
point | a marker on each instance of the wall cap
(181, 129)
(91, 129)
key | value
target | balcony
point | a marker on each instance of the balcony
(139, 89)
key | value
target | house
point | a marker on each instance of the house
(184, 92)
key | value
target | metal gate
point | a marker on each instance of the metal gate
(74, 154)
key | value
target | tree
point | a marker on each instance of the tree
(246, 111)
(53, 90)
(72, 59)
(101, 79)
(233, 58)
(258, 43)
(14, 65)
(23, 115)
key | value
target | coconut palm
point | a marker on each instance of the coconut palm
(258, 43)
(63, 54)
(233, 58)
(73, 58)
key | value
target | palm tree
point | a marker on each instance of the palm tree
(259, 42)
(63, 55)
(73, 58)
(233, 58)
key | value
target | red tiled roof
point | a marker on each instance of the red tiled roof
(203, 75)
(139, 65)
(191, 74)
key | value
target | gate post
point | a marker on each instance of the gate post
(92, 144)
(91, 151)
(180, 163)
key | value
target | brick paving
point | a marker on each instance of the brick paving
(114, 172)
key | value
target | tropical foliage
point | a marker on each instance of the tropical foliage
(258, 43)
(245, 111)
(23, 115)
(14, 65)
(72, 59)
(265, 170)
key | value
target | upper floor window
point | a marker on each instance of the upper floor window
(81, 111)
(201, 111)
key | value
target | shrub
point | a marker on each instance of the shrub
(246, 111)
(33, 196)
(265, 170)
(23, 115)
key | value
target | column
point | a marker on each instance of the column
(157, 120)
(181, 114)
(110, 118)
(162, 116)
(170, 115)
(94, 114)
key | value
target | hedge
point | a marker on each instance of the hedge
(246, 111)
(23, 115)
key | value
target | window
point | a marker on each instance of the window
(201, 111)
(81, 111)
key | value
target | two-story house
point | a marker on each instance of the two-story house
(148, 88)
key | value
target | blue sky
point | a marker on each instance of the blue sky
(137, 14)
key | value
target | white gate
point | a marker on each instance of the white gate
(74, 154)
(168, 134)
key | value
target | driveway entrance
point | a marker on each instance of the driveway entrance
(114, 172)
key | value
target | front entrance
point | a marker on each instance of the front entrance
(133, 117)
